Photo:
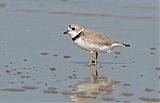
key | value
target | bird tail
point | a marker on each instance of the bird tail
(119, 44)
(127, 45)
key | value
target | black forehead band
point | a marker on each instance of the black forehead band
(69, 26)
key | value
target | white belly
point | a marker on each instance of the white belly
(89, 46)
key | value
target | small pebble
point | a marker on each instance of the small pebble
(67, 56)
(127, 94)
(11, 82)
(10, 62)
(74, 74)
(126, 84)
(149, 99)
(117, 81)
(152, 53)
(124, 66)
(157, 68)
(108, 99)
(55, 55)
(152, 48)
(67, 93)
(52, 90)
(44, 53)
(149, 89)
(141, 75)
(52, 68)
(73, 71)
(74, 77)
(46, 84)
(70, 77)
(19, 73)
(25, 60)
(6, 66)
(2, 5)
(85, 96)
(29, 87)
(69, 86)
(8, 71)
(14, 89)
(117, 53)
(100, 66)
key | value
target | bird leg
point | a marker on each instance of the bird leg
(97, 55)
(92, 57)
(96, 70)
(95, 63)
(92, 73)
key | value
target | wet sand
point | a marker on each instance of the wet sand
(40, 64)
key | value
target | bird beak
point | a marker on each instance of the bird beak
(66, 32)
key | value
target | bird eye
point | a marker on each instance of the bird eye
(73, 28)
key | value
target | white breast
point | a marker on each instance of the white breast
(88, 46)
(82, 44)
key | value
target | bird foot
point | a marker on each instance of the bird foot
(89, 65)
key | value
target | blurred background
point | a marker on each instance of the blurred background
(40, 64)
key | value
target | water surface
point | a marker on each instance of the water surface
(40, 64)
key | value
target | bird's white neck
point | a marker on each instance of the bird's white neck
(74, 34)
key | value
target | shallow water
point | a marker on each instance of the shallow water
(40, 64)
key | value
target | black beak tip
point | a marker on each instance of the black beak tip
(65, 32)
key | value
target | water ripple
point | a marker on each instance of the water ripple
(87, 14)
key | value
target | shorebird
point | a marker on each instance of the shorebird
(92, 41)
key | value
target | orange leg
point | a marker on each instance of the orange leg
(96, 70)
(95, 63)
(91, 71)
(92, 57)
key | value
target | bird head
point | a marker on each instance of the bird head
(73, 30)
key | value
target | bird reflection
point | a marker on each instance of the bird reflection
(92, 72)
(92, 90)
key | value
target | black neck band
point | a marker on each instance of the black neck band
(76, 37)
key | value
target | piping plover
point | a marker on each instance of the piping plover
(92, 41)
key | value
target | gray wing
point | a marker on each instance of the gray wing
(96, 38)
